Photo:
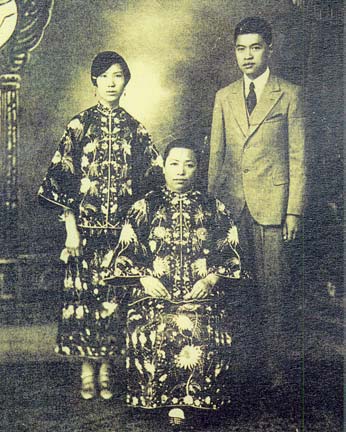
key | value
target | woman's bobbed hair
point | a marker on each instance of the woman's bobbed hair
(104, 60)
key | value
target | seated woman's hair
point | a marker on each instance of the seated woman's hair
(104, 60)
(187, 143)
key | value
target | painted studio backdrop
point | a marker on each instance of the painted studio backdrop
(179, 53)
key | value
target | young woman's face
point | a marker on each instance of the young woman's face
(180, 169)
(110, 85)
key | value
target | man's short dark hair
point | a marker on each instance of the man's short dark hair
(256, 25)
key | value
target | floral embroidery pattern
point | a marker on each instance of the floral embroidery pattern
(189, 357)
(177, 351)
(184, 236)
(89, 324)
(103, 163)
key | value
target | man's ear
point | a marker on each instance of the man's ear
(270, 50)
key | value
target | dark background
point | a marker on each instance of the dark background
(180, 53)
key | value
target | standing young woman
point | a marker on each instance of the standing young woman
(104, 162)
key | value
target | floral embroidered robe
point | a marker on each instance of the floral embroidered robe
(178, 350)
(104, 162)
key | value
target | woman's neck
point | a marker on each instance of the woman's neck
(179, 192)
(110, 105)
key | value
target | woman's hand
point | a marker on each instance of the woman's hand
(73, 242)
(154, 288)
(202, 288)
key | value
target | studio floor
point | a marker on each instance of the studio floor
(39, 392)
(43, 397)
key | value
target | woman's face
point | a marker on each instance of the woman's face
(180, 169)
(110, 86)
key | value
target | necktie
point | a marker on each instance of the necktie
(251, 99)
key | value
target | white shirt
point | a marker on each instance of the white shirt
(259, 83)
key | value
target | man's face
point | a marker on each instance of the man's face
(252, 54)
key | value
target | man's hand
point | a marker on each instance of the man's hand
(299, 3)
(154, 288)
(290, 228)
(202, 288)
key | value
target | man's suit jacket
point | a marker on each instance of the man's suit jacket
(259, 161)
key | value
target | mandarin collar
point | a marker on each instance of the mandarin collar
(108, 111)
(181, 196)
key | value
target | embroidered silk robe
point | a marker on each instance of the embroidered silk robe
(178, 350)
(104, 162)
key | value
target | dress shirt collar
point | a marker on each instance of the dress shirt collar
(259, 83)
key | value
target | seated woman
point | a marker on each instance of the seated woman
(176, 247)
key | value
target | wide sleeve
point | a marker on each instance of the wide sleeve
(131, 256)
(150, 163)
(225, 254)
(61, 183)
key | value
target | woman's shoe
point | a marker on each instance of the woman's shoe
(105, 382)
(88, 382)
(176, 418)
(88, 387)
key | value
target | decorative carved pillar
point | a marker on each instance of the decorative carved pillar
(9, 87)
(324, 10)
(22, 24)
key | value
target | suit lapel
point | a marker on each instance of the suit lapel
(270, 97)
(237, 101)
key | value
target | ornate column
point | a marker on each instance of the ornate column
(9, 87)
(22, 24)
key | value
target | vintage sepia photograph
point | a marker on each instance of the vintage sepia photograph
(171, 215)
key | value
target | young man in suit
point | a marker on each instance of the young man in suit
(257, 168)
